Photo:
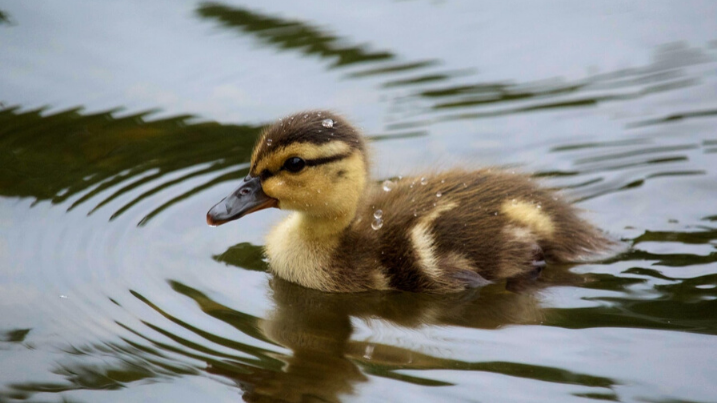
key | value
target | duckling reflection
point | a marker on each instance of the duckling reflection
(327, 364)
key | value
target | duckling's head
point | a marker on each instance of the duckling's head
(311, 162)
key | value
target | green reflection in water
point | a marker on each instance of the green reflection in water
(14, 336)
(244, 255)
(4, 17)
(478, 100)
(289, 34)
(58, 156)
(323, 360)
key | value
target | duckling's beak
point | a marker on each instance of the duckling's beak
(250, 197)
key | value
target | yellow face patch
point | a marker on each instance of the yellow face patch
(330, 190)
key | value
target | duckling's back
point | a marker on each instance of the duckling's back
(459, 230)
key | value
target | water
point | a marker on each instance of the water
(122, 125)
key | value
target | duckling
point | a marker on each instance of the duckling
(441, 233)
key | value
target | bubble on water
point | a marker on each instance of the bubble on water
(388, 185)
(378, 214)
(424, 180)
(377, 224)
(415, 213)
(439, 194)
(327, 123)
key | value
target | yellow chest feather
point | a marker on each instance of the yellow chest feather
(298, 255)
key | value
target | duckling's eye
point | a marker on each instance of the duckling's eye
(294, 164)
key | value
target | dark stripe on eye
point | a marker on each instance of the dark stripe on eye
(266, 174)
(326, 160)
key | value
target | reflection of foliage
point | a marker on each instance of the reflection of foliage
(289, 34)
(467, 100)
(53, 157)
(4, 17)
(244, 255)
(14, 336)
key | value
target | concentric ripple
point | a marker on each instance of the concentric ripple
(112, 287)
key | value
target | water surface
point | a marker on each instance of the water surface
(121, 124)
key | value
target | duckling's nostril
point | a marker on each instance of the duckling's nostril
(244, 191)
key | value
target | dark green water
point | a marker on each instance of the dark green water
(122, 123)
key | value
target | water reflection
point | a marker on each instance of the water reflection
(92, 153)
(290, 35)
(635, 144)
(322, 359)
(4, 19)
(433, 89)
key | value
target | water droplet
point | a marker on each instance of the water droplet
(377, 224)
(388, 185)
(368, 352)
(539, 206)
(327, 123)
(464, 185)
(378, 214)
(400, 177)
(514, 202)
(268, 142)
(439, 194)
(443, 181)
(424, 181)
(496, 213)
(318, 190)
(434, 204)
(555, 198)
